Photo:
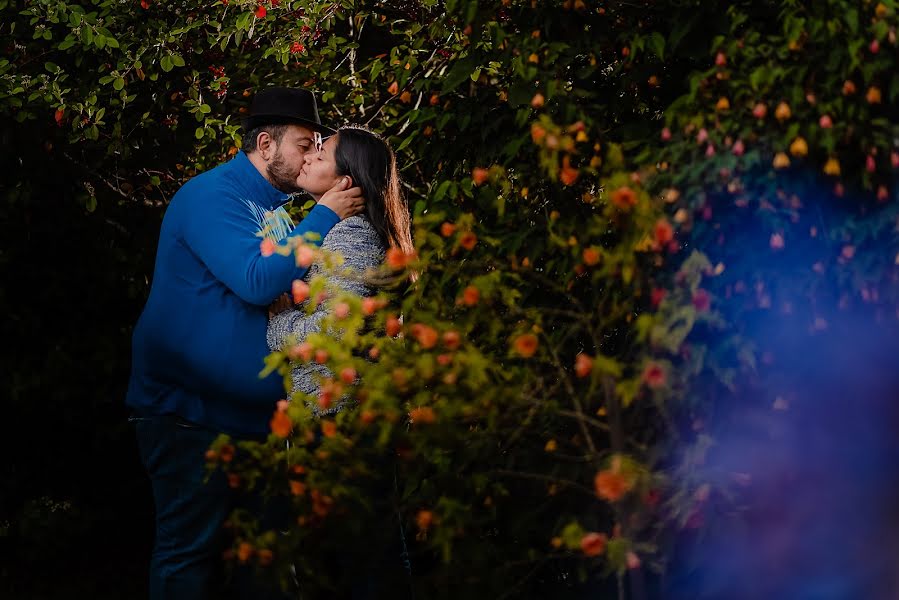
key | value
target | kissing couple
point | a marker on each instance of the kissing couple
(200, 343)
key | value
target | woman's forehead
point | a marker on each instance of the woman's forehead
(331, 142)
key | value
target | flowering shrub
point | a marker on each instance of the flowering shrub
(587, 180)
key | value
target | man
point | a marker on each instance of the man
(200, 343)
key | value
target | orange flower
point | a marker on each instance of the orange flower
(267, 247)
(297, 488)
(624, 198)
(369, 306)
(265, 557)
(583, 365)
(329, 428)
(367, 416)
(452, 339)
(538, 133)
(406, 97)
(348, 375)
(783, 112)
(873, 96)
(470, 296)
(569, 174)
(799, 147)
(301, 351)
(538, 100)
(300, 291)
(341, 310)
(244, 552)
(832, 167)
(526, 345)
(393, 326)
(281, 424)
(447, 229)
(723, 104)
(226, 453)
(593, 544)
(424, 519)
(611, 485)
(233, 480)
(394, 88)
(591, 256)
(654, 375)
(398, 259)
(479, 175)
(781, 161)
(663, 231)
(321, 356)
(848, 88)
(425, 335)
(305, 256)
(468, 240)
(423, 414)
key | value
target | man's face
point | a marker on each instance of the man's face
(287, 156)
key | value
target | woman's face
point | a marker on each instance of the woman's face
(319, 172)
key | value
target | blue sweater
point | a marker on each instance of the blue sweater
(200, 342)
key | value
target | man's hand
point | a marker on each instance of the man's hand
(344, 200)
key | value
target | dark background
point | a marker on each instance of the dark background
(75, 506)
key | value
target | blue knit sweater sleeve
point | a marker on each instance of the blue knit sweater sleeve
(222, 234)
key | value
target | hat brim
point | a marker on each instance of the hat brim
(258, 120)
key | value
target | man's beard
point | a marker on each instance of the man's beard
(280, 175)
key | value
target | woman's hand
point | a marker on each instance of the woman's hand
(282, 304)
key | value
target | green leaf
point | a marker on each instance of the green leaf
(177, 60)
(118, 84)
(376, 68)
(656, 44)
(459, 73)
(166, 63)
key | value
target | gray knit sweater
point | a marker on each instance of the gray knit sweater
(357, 241)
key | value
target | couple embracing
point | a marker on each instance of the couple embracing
(200, 342)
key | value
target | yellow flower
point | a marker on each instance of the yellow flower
(832, 167)
(781, 161)
(783, 112)
(799, 147)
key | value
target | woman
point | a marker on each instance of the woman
(362, 240)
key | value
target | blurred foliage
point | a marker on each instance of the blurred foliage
(608, 197)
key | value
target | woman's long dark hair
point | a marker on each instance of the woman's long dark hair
(369, 160)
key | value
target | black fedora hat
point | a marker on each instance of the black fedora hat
(278, 105)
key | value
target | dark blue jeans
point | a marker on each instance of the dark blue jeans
(190, 512)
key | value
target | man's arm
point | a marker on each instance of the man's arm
(227, 243)
(225, 240)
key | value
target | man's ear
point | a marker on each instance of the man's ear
(264, 144)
